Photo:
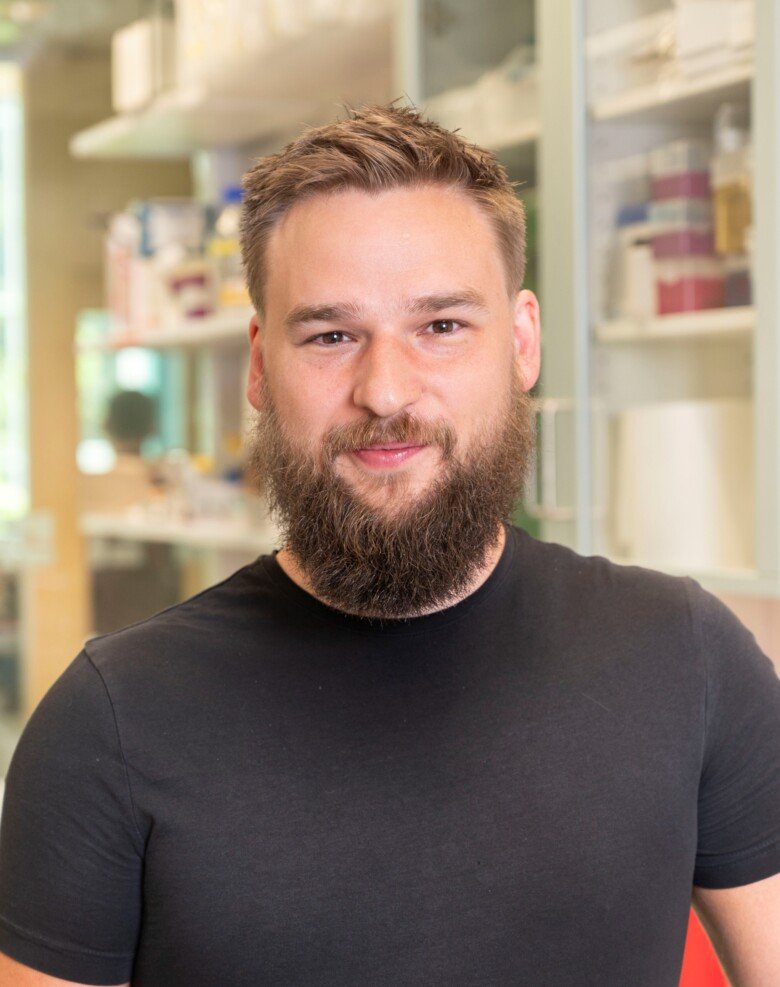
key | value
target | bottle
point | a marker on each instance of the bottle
(732, 179)
(225, 249)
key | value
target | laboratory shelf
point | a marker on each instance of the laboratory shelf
(628, 35)
(228, 327)
(257, 96)
(225, 535)
(714, 324)
(517, 149)
(526, 132)
(677, 98)
(516, 142)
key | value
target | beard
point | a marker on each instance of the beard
(411, 555)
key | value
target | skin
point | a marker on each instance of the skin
(378, 253)
(13, 974)
(744, 926)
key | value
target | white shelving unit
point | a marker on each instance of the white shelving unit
(709, 324)
(597, 366)
(516, 145)
(676, 99)
(525, 134)
(227, 328)
(257, 97)
(220, 534)
(520, 132)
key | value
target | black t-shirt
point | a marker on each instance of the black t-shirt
(253, 788)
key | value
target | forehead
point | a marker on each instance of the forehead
(404, 240)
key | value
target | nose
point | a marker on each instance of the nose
(387, 380)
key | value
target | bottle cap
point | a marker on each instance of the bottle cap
(233, 195)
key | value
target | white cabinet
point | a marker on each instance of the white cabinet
(664, 440)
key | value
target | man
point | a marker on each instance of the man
(416, 745)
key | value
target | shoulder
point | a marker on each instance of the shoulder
(593, 585)
(671, 620)
(197, 630)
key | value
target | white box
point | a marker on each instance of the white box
(701, 26)
(685, 491)
(142, 63)
(743, 24)
(713, 34)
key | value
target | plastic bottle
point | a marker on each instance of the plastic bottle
(732, 182)
(225, 249)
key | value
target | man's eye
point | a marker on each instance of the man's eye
(328, 338)
(445, 327)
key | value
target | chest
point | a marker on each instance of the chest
(362, 835)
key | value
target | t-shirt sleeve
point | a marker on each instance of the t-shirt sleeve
(71, 853)
(739, 788)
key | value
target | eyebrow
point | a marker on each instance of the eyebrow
(351, 312)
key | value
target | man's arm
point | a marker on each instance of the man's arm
(71, 854)
(13, 974)
(744, 926)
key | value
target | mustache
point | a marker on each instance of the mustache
(407, 429)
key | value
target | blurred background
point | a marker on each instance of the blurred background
(644, 138)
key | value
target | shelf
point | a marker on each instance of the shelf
(202, 533)
(257, 96)
(715, 323)
(230, 327)
(628, 35)
(517, 149)
(677, 98)
(526, 132)
(522, 135)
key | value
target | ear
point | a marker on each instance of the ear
(256, 363)
(526, 334)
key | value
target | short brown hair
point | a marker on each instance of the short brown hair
(376, 148)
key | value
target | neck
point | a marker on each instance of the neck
(292, 568)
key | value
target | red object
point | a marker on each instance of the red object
(689, 294)
(700, 964)
(686, 185)
(684, 242)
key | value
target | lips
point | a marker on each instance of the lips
(387, 455)
(393, 445)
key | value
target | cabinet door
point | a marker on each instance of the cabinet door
(669, 148)
(659, 263)
(563, 475)
(766, 349)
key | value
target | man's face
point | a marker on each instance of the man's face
(391, 356)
